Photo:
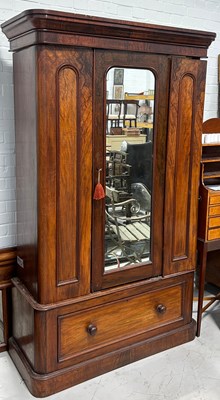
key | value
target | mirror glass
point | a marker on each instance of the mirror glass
(129, 149)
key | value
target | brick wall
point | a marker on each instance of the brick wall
(194, 14)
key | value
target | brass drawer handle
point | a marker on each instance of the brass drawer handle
(92, 329)
(161, 309)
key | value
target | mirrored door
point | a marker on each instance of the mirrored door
(129, 164)
(129, 156)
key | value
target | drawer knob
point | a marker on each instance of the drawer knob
(92, 329)
(161, 309)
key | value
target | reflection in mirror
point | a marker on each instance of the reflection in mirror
(129, 146)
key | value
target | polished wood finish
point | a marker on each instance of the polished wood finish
(7, 265)
(7, 271)
(58, 166)
(67, 200)
(71, 319)
(182, 169)
(56, 151)
(26, 166)
(44, 385)
(209, 212)
(43, 26)
(212, 125)
(119, 321)
(61, 325)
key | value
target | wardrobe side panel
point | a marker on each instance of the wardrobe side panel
(26, 166)
(23, 325)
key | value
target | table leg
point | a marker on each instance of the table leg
(202, 252)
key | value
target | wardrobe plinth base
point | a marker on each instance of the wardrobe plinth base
(41, 385)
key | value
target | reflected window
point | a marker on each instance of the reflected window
(129, 147)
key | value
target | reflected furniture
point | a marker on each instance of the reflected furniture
(147, 109)
(118, 173)
(209, 208)
(121, 112)
(130, 106)
(113, 113)
(127, 231)
(72, 318)
(113, 142)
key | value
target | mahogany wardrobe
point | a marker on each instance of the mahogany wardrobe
(106, 231)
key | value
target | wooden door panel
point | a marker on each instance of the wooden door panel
(182, 168)
(159, 65)
(65, 167)
(67, 157)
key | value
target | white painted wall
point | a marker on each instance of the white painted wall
(194, 14)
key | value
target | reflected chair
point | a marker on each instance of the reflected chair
(130, 112)
(129, 236)
(113, 113)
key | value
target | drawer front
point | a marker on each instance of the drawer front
(86, 331)
(214, 222)
(214, 200)
(215, 210)
(214, 234)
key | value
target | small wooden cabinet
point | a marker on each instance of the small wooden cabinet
(209, 206)
(72, 318)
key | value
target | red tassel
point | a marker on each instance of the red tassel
(99, 192)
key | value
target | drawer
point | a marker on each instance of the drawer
(214, 200)
(213, 234)
(83, 332)
(215, 210)
(214, 222)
